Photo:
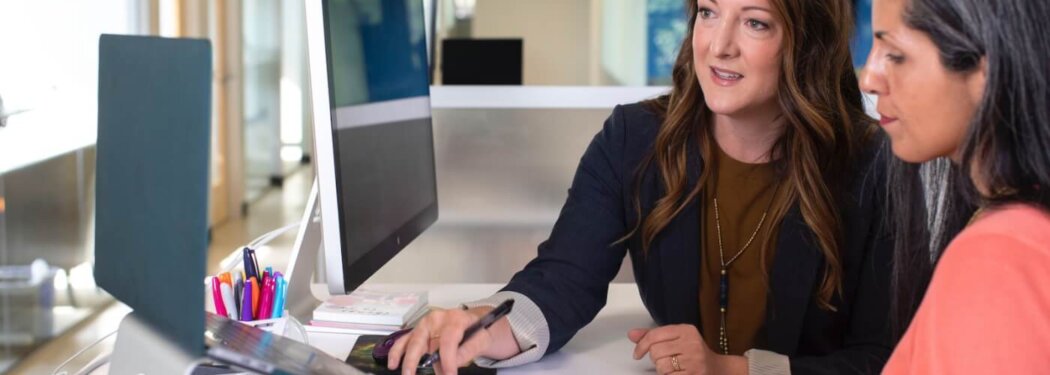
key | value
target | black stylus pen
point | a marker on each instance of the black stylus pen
(484, 323)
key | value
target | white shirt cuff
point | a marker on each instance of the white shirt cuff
(764, 362)
(528, 325)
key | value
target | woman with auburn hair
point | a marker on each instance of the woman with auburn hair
(748, 200)
(964, 94)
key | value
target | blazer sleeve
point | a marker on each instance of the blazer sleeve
(569, 278)
(867, 342)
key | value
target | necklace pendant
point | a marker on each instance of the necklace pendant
(723, 341)
(723, 305)
(723, 290)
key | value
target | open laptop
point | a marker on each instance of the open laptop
(257, 350)
(151, 231)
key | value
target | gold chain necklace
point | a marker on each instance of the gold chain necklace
(723, 278)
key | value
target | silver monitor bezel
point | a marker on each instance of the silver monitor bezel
(326, 164)
(324, 153)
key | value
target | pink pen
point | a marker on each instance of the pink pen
(216, 296)
(266, 300)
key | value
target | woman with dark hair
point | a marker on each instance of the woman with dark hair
(964, 94)
(748, 200)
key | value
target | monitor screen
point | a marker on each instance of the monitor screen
(481, 61)
(381, 130)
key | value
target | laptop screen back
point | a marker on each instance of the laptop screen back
(151, 198)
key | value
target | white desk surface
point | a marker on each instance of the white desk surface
(601, 347)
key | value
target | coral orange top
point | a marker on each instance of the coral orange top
(987, 310)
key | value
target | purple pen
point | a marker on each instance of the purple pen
(246, 303)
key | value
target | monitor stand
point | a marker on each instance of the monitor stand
(305, 263)
(299, 298)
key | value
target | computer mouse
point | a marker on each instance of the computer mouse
(381, 350)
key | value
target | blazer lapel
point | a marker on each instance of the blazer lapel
(794, 272)
(679, 255)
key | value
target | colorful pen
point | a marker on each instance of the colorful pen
(275, 311)
(248, 264)
(256, 293)
(266, 300)
(246, 304)
(255, 265)
(238, 288)
(278, 300)
(216, 296)
(262, 280)
(273, 296)
(225, 278)
(227, 299)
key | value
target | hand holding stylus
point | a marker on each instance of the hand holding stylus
(446, 331)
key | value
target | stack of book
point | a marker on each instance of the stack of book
(369, 312)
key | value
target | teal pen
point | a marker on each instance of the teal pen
(274, 312)
(278, 301)
(284, 293)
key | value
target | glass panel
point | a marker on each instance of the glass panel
(276, 93)
(574, 42)
(49, 71)
(590, 42)
(262, 73)
(46, 238)
(48, 81)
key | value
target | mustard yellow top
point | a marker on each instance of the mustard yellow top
(744, 192)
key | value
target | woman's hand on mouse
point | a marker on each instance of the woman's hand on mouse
(442, 330)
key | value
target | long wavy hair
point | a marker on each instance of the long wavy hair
(1009, 135)
(825, 124)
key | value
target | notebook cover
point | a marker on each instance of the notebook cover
(365, 306)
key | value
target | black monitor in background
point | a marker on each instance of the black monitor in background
(373, 139)
(481, 61)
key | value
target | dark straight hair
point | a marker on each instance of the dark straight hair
(1007, 145)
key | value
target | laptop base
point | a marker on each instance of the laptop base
(140, 349)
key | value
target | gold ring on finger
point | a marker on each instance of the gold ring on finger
(674, 363)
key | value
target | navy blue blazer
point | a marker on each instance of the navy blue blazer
(569, 278)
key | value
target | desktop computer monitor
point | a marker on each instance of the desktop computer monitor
(374, 145)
